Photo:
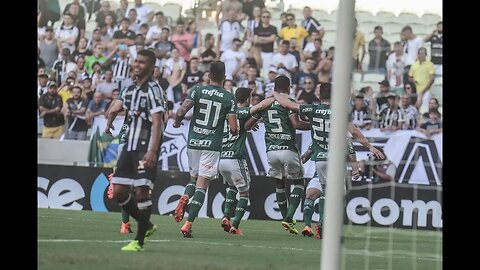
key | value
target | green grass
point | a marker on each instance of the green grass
(91, 240)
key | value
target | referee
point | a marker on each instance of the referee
(136, 166)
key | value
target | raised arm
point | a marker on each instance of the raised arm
(186, 106)
(285, 102)
(361, 139)
(266, 103)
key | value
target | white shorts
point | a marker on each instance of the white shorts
(285, 163)
(321, 168)
(203, 163)
(235, 173)
(315, 183)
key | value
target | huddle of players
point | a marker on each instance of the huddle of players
(216, 144)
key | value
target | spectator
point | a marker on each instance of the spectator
(81, 50)
(97, 56)
(81, 8)
(124, 35)
(378, 170)
(310, 45)
(433, 125)
(145, 14)
(283, 19)
(378, 49)
(361, 116)
(119, 62)
(134, 23)
(228, 86)
(207, 53)
(252, 77)
(368, 99)
(104, 12)
(285, 63)
(358, 45)
(252, 23)
(270, 84)
(432, 105)
(80, 70)
(228, 8)
(50, 105)
(229, 30)
(48, 47)
(88, 91)
(107, 86)
(49, 12)
(192, 77)
(233, 58)
(318, 55)
(308, 92)
(293, 50)
(311, 24)
(389, 115)
(293, 31)
(110, 23)
(42, 86)
(436, 43)
(96, 38)
(154, 33)
(163, 47)
(139, 45)
(396, 63)
(122, 10)
(67, 34)
(411, 45)
(97, 74)
(265, 35)
(325, 67)
(96, 107)
(197, 35)
(411, 89)
(65, 91)
(381, 98)
(422, 73)
(249, 7)
(174, 71)
(78, 20)
(408, 114)
(182, 40)
(307, 72)
(62, 66)
(74, 110)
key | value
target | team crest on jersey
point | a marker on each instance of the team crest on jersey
(143, 103)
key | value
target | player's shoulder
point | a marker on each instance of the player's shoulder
(243, 110)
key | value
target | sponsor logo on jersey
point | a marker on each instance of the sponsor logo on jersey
(212, 92)
(195, 142)
(323, 111)
(278, 147)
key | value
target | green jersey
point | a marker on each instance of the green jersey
(319, 117)
(233, 147)
(211, 106)
(279, 131)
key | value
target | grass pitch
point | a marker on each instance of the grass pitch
(91, 240)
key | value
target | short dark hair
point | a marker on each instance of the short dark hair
(125, 20)
(286, 43)
(325, 90)
(158, 13)
(180, 21)
(149, 54)
(242, 94)
(407, 28)
(217, 71)
(378, 27)
(282, 84)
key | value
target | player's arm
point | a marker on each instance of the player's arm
(232, 123)
(383, 175)
(112, 113)
(186, 106)
(264, 104)
(252, 121)
(361, 139)
(150, 157)
(297, 123)
(285, 102)
(306, 156)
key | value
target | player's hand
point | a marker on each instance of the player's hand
(177, 125)
(107, 130)
(377, 153)
(306, 156)
(150, 159)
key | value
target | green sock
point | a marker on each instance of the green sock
(282, 201)
(125, 216)
(295, 198)
(229, 202)
(308, 212)
(321, 202)
(240, 211)
(196, 203)
(190, 189)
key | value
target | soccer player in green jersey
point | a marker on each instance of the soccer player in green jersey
(211, 105)
(233, 164)
(319, 118)
(282, 152)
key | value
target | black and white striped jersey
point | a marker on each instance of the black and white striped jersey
(141, 101)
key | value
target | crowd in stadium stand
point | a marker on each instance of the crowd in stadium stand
(80, 73)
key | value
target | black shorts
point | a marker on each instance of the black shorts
(129, 172)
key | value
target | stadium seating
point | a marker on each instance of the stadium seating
(362, 15)
(408, 18)
(437, 92)
(429, 18)
(320, 15)
(373, 77)
(329, 25)
(155, 7)
(172, 10)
